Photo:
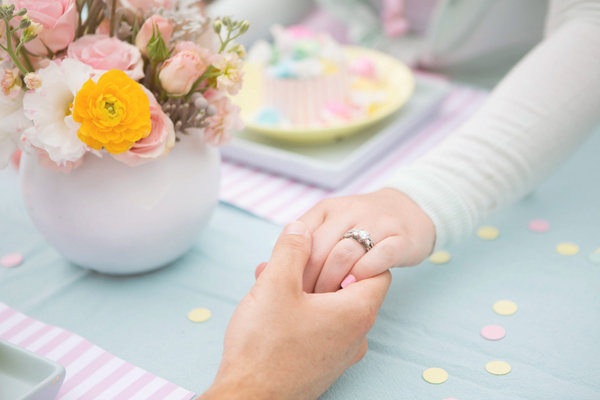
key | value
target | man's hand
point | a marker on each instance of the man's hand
(283, 343)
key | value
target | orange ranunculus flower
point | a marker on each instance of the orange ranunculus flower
(114, 113)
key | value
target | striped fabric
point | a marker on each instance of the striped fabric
(280, 199)
(92, 373)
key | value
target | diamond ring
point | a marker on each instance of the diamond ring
(361, 236)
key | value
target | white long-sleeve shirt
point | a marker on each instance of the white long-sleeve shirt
(533, 120)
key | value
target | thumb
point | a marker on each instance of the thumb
(289, 257)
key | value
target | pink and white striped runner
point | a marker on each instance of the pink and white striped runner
(92, 373)
(280, 199)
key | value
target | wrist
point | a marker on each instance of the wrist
(423, 226)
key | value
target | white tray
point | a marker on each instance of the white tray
(332, 165)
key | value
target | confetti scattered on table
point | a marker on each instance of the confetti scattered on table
(505, 307)
(11, 260)
(199, 314)
(595, 256)
(539, 225)
(498, 367)
(435, 375)
(567, 249)
(488, 233)
(493, 332)
(440, 257)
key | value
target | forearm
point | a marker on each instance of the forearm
(538, 115)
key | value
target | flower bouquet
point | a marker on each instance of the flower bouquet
(116, 106)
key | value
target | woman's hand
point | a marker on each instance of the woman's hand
(403, 234)
(283, 343)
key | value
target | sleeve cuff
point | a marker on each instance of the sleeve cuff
(448, 211)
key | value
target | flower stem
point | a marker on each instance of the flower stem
(113, 12)
(225, 42)
(14, 56)
(199, 81)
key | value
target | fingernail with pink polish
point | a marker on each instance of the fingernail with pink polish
(350, 279)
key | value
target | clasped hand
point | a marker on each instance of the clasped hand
(403, 234)
(283, 343)
(295, 333)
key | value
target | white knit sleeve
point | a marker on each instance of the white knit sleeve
(534, 119)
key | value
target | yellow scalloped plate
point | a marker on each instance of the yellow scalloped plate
(398, 85)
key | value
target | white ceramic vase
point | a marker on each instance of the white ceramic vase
(116, 219)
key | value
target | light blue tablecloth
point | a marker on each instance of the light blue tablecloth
(431, 317)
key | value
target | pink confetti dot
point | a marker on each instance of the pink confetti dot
(11, 260)
(539, 225)
(493, 332)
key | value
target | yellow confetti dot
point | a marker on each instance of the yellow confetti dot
(567, 249)
(505, 307)
(199, 314)
(435, 375)
(440, 257)
(488, 233)
(498, 367)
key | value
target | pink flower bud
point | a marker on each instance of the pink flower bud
(179, 72)
(32, 81)
(156, 22)
(10, 82)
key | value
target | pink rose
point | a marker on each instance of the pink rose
(226, 119)
(157, 144)
(164, 26)
(59, 21)
(143, 6)
(104, 53)
(179, 72)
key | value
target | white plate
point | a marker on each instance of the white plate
(331, 165)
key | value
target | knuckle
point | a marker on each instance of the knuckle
(324, 204)
(388, 252)
(295, 243)
(344, 253)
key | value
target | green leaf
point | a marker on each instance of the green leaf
(157, 48)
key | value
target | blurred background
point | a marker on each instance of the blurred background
(469, 41)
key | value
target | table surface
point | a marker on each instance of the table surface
(431, 317)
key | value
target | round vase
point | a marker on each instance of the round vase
(117, 219)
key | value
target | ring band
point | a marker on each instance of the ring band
(361, 236)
